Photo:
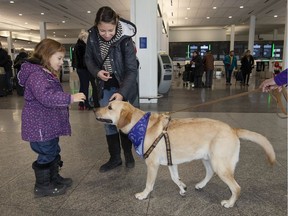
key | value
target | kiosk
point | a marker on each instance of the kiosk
(165, 71)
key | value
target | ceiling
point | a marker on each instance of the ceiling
(22, 17)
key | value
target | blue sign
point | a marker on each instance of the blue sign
(143, 42)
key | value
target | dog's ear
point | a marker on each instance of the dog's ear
(125, 117)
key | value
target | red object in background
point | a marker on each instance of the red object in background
(277, 68)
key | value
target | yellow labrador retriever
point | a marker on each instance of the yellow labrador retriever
(212, 141)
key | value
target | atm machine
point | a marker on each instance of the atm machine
(165, 71)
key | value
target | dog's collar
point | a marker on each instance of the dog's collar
(138, 132)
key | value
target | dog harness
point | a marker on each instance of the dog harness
(167, 142)
(137, 137)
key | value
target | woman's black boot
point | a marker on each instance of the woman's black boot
(127, 148)
(114, 150)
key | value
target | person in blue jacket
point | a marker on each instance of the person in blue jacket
(230, 63)
(45, 115)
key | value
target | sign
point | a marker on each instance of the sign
(143, 42)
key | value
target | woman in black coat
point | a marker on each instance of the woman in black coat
(111, 58)
(247, 64)
(197, 69)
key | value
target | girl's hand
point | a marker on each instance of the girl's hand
(78, 97)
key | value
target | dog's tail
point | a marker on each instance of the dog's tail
(260, 140)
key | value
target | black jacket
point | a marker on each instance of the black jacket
(79, 52)
(199, 67)
(123, 60)
(247, 64)
(3, 57)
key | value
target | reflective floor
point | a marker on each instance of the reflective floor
(264, 188)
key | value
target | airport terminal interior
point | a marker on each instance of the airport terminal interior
(263, 187)
(182, 27)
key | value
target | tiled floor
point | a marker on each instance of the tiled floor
(264, 188)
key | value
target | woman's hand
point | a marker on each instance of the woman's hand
(104, 75)
(116, 96)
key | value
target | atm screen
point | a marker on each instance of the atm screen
(165, 59)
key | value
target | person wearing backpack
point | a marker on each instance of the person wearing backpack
(19, 60)
(111, 59)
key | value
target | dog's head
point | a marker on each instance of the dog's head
(118, 113)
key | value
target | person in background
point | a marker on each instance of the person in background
(208, 62)
(247, 64)
(197, 69)
(230, 63)
(4, 64)
(45, 115)
(9, 75)
(275, 82)
(84, 76)
(111, 58)
(20, 58)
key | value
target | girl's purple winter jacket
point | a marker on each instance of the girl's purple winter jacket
(45, 114)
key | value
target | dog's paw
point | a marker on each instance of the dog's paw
(141, 196)
(199, 186)
(182, 193)
(226, 204)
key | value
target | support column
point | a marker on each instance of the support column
(146, 43)
(251, 33)
(42, 30)
(10, 45)
(275, 33)
(232, 37)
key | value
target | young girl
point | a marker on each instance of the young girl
(45, 115)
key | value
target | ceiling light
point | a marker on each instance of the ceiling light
(65, 35)
(20, 14)
(12, 2)
(275, 16)
(54, 32)
(186, 17)
(214, 8)
(241, 7)
(188, 8)
(26, 23)
(88, 12)
(207, 17)
(63, 21)
(42, 13)
(230, 17)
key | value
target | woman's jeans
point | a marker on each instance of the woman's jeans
(107, 93)
(47, 151)
(228, 75)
